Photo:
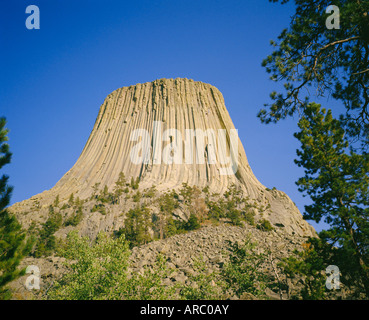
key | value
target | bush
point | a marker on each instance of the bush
(100, 271)
(137, 196)
(235, 217)
(46, 242)
(249, 218)
(135, 183)
(202, 285)
(192, 223)
(264, 225)
(136, 226)
(150, 193)
(99, 208)
(76, 218)
(243, 271)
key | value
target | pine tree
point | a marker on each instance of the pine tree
(333, 61)
(12, 244)
(136, 226)
(337, 180)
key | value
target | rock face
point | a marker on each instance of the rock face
(167, 111)
(178, 104)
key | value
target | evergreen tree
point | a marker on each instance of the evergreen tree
(337, 180)
(334, 61)
(12, 244)
(334, 152)
(136, 226)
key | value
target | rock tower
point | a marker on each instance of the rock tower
(168, 111)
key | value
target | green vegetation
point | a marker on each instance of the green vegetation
(13, 246)
(100, 271)
(192, 223)
(233, 207)
(333, 62)
(76, 218)
(243, 271)
(334, 150)
(56, 201)
(307, 265)
(137, 196)
(202, 285)
(337, 180)
(264, 225)
(135, 183)
(99, 208)
(142, 224)
(46, 242)
(136, 226)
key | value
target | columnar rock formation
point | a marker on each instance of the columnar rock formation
(154, 107)
(174, 104)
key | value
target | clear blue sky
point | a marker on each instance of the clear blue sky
(53, 80)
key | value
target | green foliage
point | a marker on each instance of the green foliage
(56, 201)
(243, 271)
(76, 218)
(149, 285)
(174, 227)
(99, 271)
(13, 246)
(265, 225)
(189, 193)
(119, 187)
(136, 226)
(249, 218)
(192, 223)
(308, 265)
(46, 242)
(232, 206)
(235, 216)
(150, 193)
(65, 206)
(335, 62)
(99, 208)
(71, 200)
(202, 285)
(217, 209)
(163, 222)
(137, 196)
(168, 202)
(337, 180)
(135, 183)
(334, 150)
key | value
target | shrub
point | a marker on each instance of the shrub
(264, 225)
(46, 242)
(192, 223)
(249, 218)
(137, 196)
(100, 271)
(99, 208)
(136, 226)
(76, 218)
(235, 217)
(243, 271)
(135, 183)
(201, 285)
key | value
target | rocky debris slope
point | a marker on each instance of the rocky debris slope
(209, 244)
